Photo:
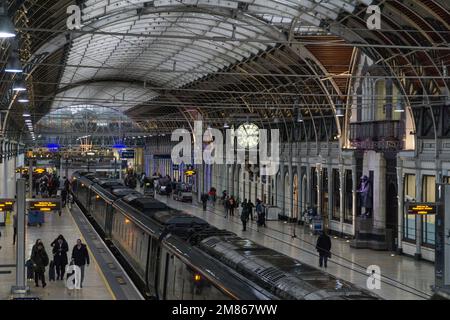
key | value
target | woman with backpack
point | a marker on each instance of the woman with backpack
(39, 258)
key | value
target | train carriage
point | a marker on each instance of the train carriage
(173, 255)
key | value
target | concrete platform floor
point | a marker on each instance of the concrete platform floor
(94, 286)
(403, 277)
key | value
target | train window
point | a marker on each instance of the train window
(152, 260)
(187, 284)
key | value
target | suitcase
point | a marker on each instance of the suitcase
(30, 272)
(51, 271)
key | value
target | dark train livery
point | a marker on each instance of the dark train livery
(177, 256)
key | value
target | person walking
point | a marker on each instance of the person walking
(65, 192)
(260, 213)
(244, 215)
(231, 205)
(39, 258)
(323, 246)
(80, 258)
(226, 205)
(250, 207)
(60, 249)
(204, 199)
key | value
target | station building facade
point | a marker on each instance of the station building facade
(402, 151)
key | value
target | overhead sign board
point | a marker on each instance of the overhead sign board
(39, 170)
(22, 170)
(127, 154)
(422, 208)
(190, 172)
(6, 205)
(45, 205)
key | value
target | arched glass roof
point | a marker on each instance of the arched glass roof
(85, 119)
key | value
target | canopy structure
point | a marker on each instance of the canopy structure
(166, 63)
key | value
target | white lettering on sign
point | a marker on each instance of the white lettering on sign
(374, 280)
(74, 20)
(374, 20)
(74, 280)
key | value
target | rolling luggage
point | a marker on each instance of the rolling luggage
(35, 218)
(51, 271)
(30, 272)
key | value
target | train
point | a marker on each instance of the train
(172, 255)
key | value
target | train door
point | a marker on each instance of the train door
(153, 261)
(109, 220)
(163, 275)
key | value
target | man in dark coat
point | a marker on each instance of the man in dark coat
(40, 260)
(244, 214)
(204, 199)
(323, 247)
(80, 257)
(60, 249)
(260, 213)
(250, 207)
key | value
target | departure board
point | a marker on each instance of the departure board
(422, 208)
(45, 205)
(6, 205)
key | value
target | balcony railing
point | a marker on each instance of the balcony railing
(377, 135)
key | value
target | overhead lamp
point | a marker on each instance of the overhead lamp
(7, 29)
(23, 98)
(27, 114)
(14, 65)
(339, 108)
(399, 107)
(19, 85)
(225, 125)
(299, 116)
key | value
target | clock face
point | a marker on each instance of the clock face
(247, 135)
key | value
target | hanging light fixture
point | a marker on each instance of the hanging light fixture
(23, 98)
(225, 125)
(399, 106)
(14, 65)
(299, 115)
(6, 26)
(339, 108)
(19, 85)
(26, 114)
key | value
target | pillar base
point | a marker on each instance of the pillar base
(369, 237)
(20, 290)
(418, 256)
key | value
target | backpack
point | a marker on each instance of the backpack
(45, 259)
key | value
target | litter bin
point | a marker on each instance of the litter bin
(35, 218)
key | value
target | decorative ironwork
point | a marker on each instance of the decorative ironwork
(386, 135)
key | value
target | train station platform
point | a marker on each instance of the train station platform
(402, 277)
(97, 284)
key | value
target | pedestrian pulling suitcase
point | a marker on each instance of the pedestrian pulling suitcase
(30, 272)
(51, 271)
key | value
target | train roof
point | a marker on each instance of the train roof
(109, 184)
(122, 191)
(176, 217)
(143, 203)
(284, 276)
